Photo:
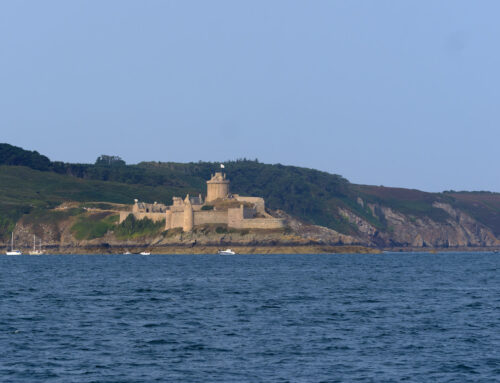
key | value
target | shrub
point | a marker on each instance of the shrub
(221, 230)
(134, 228)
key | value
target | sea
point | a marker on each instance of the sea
(396, 317)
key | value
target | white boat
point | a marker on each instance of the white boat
(12, 250)
(36, 251)
(145, 253)
(127, 253)
(226, 252)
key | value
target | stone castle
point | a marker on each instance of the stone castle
(219, 207)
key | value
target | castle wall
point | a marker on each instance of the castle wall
(262, 223)
(155, 217)
(236, 218)
(123, 216)
(177, 219)
(248, 213)
(257, 201)
(168, 220)
(199, 218)
(207, 217)
(240, 218)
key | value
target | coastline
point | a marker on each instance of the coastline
(258, 249)
(210, 249)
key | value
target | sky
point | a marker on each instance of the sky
(393, 93)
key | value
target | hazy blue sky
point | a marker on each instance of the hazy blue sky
(395, 93)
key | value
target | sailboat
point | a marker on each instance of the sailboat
(35, 251)
(12, 251)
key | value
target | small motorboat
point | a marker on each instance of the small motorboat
(127, 253)
(226, 252)
(145, 253)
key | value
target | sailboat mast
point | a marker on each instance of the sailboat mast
(12, 242)
(34, 243)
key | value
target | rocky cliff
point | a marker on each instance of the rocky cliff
(456, 230)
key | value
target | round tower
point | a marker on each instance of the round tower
(217, 187)
(168, 219)
(188, 215)
(135, 208)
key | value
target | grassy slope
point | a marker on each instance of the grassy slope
(483, 206)
(24, 190)
(407, 201)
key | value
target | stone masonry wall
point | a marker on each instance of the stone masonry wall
(155, 217)
(217, 190)
(262, 223)
(257, 201)
(210, 216)
(177, 219)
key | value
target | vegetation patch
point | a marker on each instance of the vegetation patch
(173, 232)
(40, 218)
(93, 226)
(9, 215)
(483, 206)
(221, 230)
(50, 216)
(135, 228)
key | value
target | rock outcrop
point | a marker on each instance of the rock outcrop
(457, 230)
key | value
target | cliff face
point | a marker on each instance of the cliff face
(458, 229)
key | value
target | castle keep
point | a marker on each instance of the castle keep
(219, 207)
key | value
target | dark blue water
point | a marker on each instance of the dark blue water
(324, 318)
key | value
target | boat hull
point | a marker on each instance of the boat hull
(226, 252)
(14, 252)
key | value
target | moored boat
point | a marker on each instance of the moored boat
(226, 252)
(36, 251)
(12, 250)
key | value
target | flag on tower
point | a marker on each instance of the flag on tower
(222, 166)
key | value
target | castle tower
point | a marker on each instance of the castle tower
(188, 215)
(217, 187)
(135, 208)
(168, 219)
